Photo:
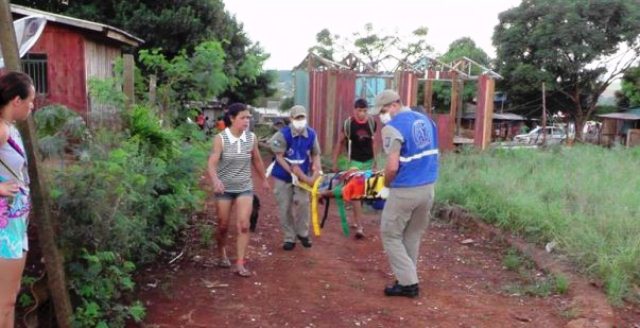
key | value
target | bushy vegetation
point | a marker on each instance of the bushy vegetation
(584, 198)
(120, 206)
(60, 130)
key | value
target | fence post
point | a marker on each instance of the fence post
(128, 74)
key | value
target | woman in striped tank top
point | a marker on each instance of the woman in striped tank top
(235, 150)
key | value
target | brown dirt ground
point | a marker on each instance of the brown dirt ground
(339, 281)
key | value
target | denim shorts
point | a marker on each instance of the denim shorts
(233, 195)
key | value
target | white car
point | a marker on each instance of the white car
(555, 135)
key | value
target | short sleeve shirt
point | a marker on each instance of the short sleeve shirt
(392, 139)
(278, 143)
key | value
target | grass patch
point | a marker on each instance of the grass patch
(512, 261)
(206, 234)
(570, 313)
(531, 282)
(585, 198)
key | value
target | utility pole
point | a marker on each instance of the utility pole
(54, 263)
(544, 116)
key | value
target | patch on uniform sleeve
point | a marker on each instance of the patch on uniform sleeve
(276, 143)
(387, 142)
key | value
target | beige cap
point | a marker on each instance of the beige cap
(298, 110)
(384, 98)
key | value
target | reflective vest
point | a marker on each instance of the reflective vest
(298, 153)
(419, 152)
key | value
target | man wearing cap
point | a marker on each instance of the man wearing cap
(297, 158)
(410, 140)
(358, 135)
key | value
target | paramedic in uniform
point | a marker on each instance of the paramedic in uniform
(410, 141)
(297, 157)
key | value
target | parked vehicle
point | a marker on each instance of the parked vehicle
(555, 135)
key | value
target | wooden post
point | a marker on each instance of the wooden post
(8, 40)
(153, 83)
(544, 116)
(459, 108)
(428, 96)
(129, 86)
(330, 115)
(414, 89)
(454, 95)
(54, 263)
(484, 112)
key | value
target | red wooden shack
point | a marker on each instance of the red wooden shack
(69, 52)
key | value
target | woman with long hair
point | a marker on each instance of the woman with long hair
(16, 102)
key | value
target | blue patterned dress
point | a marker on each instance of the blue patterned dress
(14, 219)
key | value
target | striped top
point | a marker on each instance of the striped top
(234, 167)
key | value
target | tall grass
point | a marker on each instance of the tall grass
(585, 198)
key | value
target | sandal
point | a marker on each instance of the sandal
(223, 262)
(243, 272)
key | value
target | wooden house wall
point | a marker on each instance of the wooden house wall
(64, 48)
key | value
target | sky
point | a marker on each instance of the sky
(286, 29)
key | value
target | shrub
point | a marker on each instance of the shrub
(122, 207)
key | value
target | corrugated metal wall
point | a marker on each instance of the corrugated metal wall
(331, 97)
(446, 126)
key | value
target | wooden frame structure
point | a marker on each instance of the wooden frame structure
(328, 89)
(460, 71)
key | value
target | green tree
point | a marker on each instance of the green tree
(326, 43)
(184, 78)
(569, 45)
(463, 47)
(178, 27)
(629, 94)
(287, 103)
(374, 46)
(249, 83)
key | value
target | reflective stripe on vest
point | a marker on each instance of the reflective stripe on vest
(428, 152)
(295, 161)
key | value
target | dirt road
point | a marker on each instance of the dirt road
(339, 283)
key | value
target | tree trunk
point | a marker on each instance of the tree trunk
(579, 126)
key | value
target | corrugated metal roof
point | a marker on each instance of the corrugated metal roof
(498, 116)
(109, 31)
(621, 116)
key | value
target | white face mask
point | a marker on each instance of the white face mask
(385, 118)
(299, 124)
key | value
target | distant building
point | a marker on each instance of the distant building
(273, 104)
(621, 128)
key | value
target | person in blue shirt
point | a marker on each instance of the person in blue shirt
(297, 158)
(410, 140)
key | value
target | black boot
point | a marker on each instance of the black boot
(306, 243)
(400, 290)
(288, 246)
